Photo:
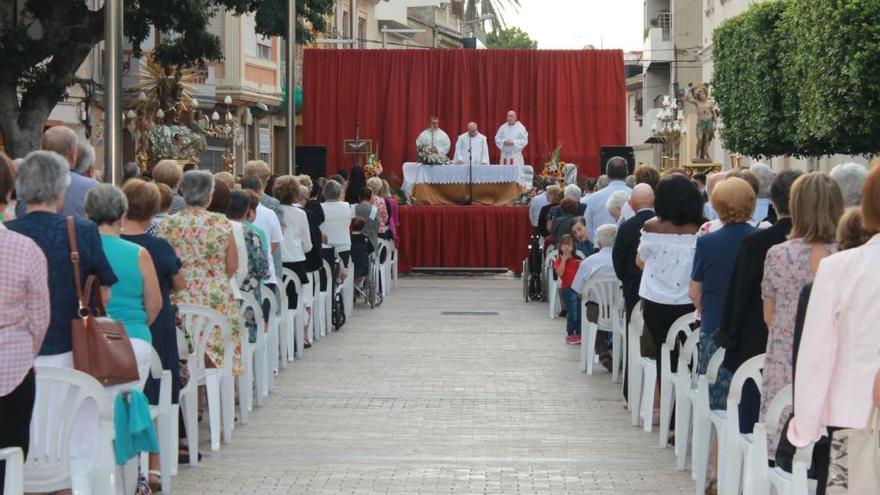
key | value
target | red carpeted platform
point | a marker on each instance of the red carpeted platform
(463, 237)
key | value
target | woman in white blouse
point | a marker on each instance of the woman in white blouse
(666, 255)
(337, 219)
(296, 241)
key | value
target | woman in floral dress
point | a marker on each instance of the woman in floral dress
(204, 243)
(816, 207)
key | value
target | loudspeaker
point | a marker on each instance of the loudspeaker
(608, 152)
(311, 160)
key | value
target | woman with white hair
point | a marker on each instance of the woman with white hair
(574, 192)
(135, 298)
(337, 219)
(615, 204)
(850, 177)
(205, 245)
(762, 207)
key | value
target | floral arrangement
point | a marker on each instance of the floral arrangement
(554, 167)
(373, 168)
(429, 155)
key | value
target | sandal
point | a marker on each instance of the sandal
(183, 455)
(154, 480)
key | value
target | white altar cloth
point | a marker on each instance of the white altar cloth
(416, 173)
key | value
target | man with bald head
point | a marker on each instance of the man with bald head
(626, 244)
(472, 147)
(64, 141)
(511, 139)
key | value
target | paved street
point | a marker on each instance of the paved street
(407, 400)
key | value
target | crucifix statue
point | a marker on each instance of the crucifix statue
(357, 146)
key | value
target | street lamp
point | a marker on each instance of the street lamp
(480, 20)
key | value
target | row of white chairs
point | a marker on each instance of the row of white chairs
(49, 467)
(742, 463)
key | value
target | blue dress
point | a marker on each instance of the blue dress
(714, 259)
(163, 329)
(49, 231)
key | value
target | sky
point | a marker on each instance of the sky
(561, 24)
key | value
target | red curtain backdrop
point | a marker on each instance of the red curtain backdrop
(464, 237)
(576, 98)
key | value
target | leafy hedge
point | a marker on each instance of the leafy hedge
(800, 77)
(746, 81)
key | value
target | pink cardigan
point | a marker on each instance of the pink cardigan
(840, 347)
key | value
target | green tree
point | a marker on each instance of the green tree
(44, 42)
(746, 84)
(510, 38)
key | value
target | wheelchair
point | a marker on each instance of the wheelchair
(534, 287)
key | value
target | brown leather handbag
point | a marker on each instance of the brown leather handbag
(101, 346)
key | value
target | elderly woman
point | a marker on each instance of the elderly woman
(203, 241)
(837, 357)
(144, 201)
(816, 207)
(375, 185)
(42, 179)
(752, 180)
(337, 218)
(572, 191)
(615, 204)
(763, 210)
(850, 177)
(734, 201)
(135, 298)
(297, 238)
(170, 173)
(24, 317)
(554, 196)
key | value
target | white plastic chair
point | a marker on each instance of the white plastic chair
(395, 266)
(254, 362)
(13, 460)
(348, 288)
(322, 310)
(609, 296)
(683, 385)
(735, 443)
(188, 401)
(757, 469)
(636, 364)
(164, 416)
(797, 481)
(273, 328)
(675, 385)
(293, 319)
(200, 322)
(702, 423)
(62, 393)
(386, 247)
(552, 284)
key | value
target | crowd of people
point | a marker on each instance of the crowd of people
(166, 237)
(773, 264)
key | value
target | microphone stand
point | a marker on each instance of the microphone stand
(470, 198)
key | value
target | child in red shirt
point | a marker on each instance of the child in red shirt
(566, 266)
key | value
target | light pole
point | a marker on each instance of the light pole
(386, 30)
(113, 91)
(473, 23)
(291, 86)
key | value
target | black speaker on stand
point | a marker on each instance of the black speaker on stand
(311, 160)
(608, 152)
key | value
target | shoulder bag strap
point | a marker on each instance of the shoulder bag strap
(74, 260)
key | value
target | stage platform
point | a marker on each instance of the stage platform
(468, 237)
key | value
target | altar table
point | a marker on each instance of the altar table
(448, 184)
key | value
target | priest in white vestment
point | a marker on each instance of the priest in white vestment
(472, 147)
(511, 139)
(434, 136)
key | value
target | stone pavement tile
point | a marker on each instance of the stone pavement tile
(406, 400)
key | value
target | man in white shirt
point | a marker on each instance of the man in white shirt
(535, 205)
(472, 148)
(511, 139)
(434, 136)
